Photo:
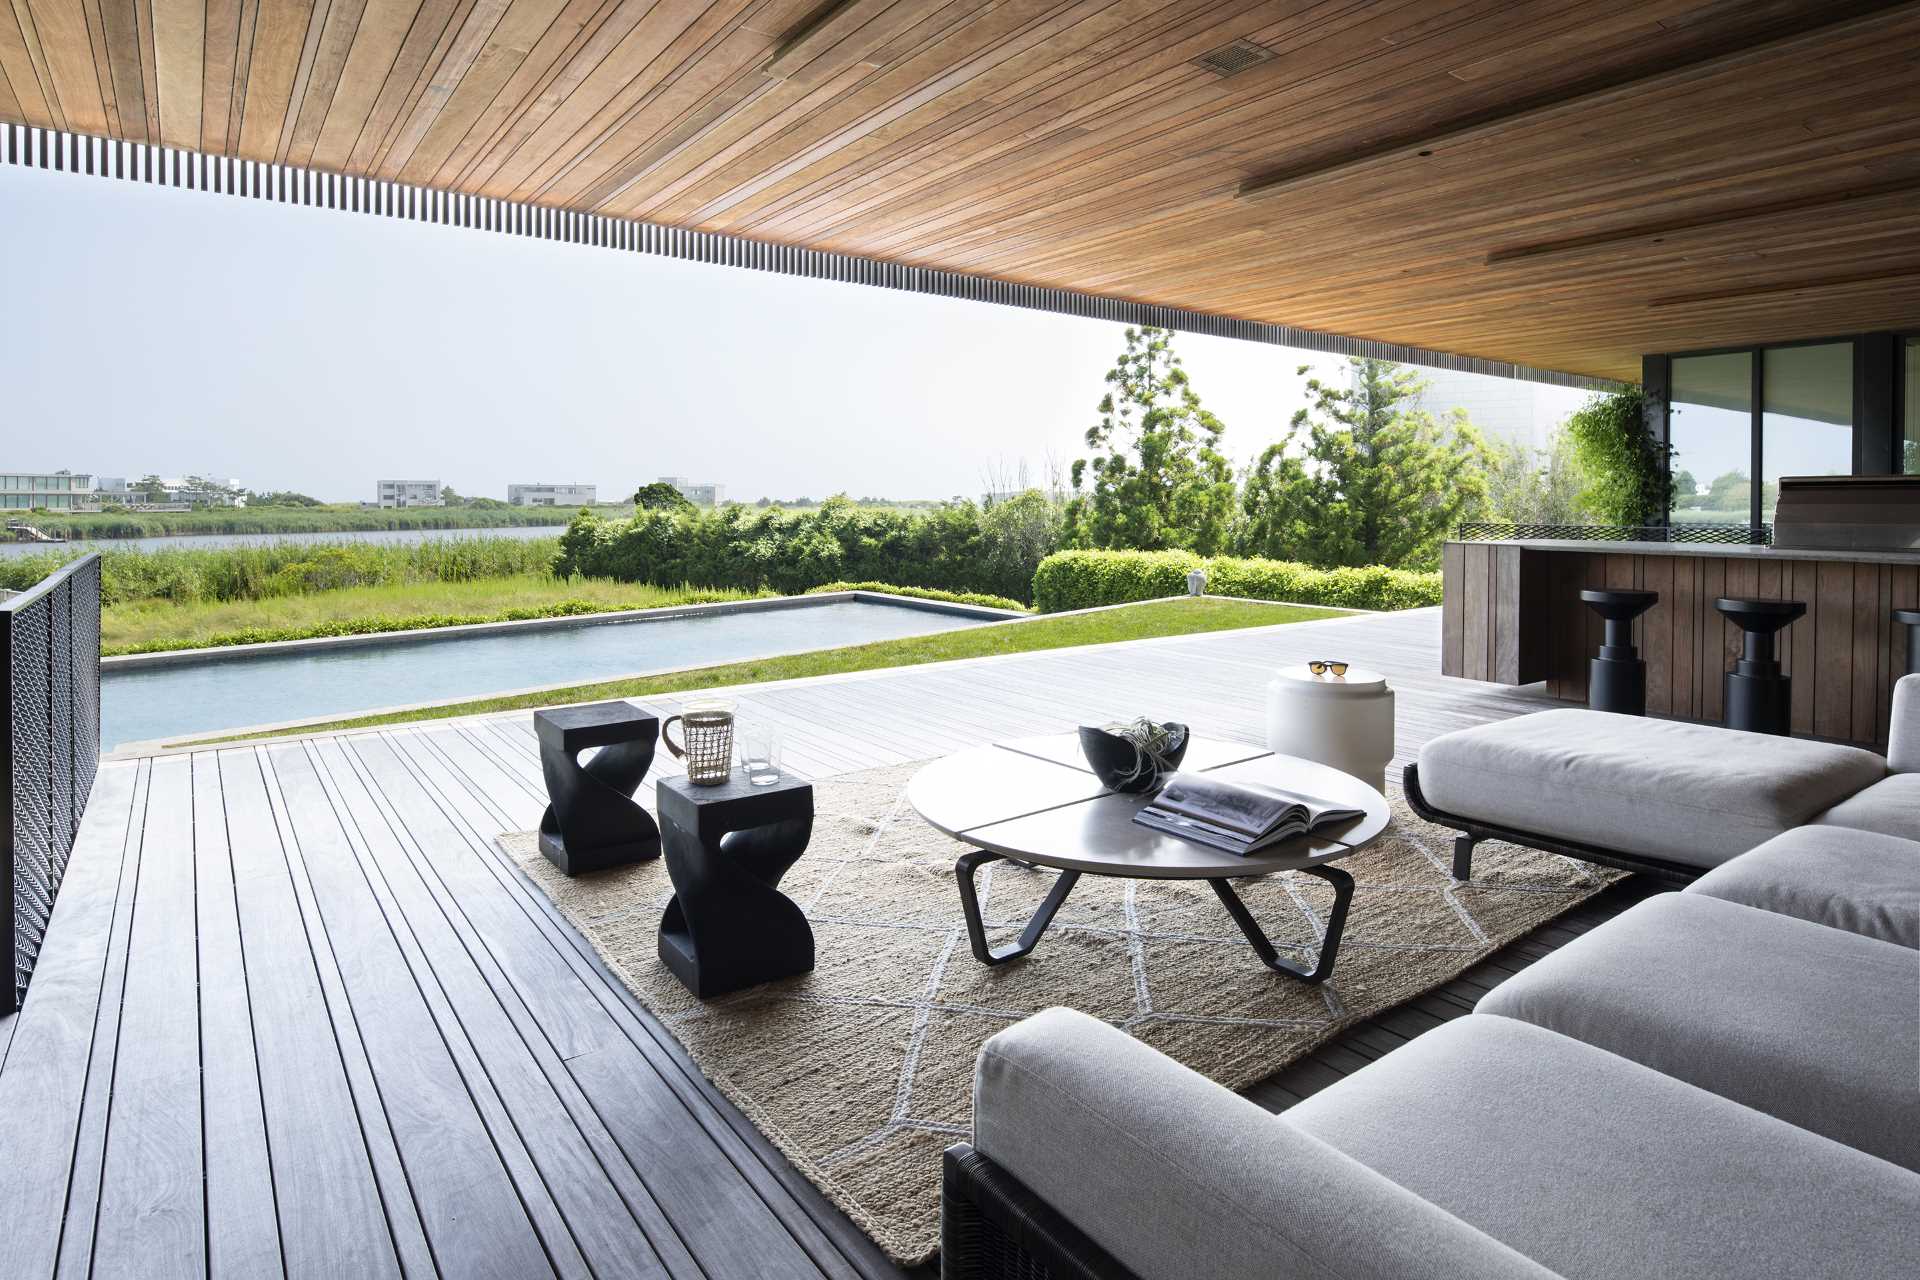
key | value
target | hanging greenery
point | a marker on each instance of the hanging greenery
(1624, 464)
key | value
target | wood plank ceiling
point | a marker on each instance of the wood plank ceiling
(1551, 182)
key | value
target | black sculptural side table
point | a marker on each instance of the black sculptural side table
(727, 846)
(592, 822)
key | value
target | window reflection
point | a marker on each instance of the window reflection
(1806, 427)
(1712, 435)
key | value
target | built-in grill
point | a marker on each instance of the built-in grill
(1848, 513)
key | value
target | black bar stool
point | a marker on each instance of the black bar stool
(1617, 679)
(1910, 618)
(1758, 697)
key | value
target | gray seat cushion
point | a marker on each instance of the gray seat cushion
(1179, 1178)
(1596, 1166)
(1890, 806)
(1814, 1025)
(1860, 881)
(1690, 793)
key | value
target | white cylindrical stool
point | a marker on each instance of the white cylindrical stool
(1345, 722)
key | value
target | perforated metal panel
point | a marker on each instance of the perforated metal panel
(1722, 534)
(49, 748)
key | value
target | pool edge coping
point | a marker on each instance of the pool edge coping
(212, 654)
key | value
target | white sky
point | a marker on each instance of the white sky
(150, 330)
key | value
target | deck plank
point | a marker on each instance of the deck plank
(46, 1075)
(594, 1195)
(243, 1229)
(726, 1224)
(152, 1211)
(476, 1220)
(331, 1217)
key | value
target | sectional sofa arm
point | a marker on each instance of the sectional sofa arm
(1173, 1176)
(1903, 730)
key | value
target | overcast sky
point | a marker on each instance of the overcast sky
(151, 330)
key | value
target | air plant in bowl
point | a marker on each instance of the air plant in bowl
(1135, 756)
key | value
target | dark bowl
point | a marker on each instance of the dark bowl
(1118, 764)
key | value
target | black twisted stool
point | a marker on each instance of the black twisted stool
(1756, 694)
(592, 822)
(727, 846)
(1617, 679)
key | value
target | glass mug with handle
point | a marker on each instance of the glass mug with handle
(708, 750)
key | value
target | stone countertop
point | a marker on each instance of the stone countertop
(1727, 550)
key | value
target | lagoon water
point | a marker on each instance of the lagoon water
(208, 541)
(205, 698)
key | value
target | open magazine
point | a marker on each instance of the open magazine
(1239, 817)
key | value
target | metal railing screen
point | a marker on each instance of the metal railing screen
(49, 748)
(1720, 534)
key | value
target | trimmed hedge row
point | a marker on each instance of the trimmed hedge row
(1085, 579)
(923, 593)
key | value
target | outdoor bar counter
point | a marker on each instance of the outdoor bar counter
(1512, 614)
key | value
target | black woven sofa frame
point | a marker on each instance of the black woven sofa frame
(1473, 832)
(993, 1228)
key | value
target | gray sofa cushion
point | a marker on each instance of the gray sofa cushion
(1690, 793)
(1890, 806)
(1596, 1166)
(1817, 1026)
(1903, 729)
(1178, 1177)
(1860, 881)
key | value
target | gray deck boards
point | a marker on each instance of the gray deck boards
(296, 1015)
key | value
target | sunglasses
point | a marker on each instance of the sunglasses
(1320, 667)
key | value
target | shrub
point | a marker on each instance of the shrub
(1085, 579)
(922, 593)
(949, 548)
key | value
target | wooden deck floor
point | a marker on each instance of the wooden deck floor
(296, 1015)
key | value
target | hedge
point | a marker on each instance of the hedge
(923, 593)
(1085, 579)
(951, 548)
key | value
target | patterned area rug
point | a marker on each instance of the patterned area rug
(860, 1072)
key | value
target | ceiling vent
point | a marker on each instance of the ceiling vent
(1232, 59)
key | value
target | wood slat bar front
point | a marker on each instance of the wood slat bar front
(1513, 615)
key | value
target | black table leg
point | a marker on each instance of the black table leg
(1336, 924)
(963, 871)
(592, 822)
(728, 926)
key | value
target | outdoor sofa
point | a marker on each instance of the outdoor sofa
(1659, 796)
(1722, 1082)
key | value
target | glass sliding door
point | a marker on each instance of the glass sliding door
(1712, 436)
(1909, 459)
(1806, 424)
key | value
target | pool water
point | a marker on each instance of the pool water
(171, 702)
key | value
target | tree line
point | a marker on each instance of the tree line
(1364, 476)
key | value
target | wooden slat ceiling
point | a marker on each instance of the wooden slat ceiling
(1557, 183)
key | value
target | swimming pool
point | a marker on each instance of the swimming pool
(230, 692)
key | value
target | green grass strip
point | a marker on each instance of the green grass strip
(1134, 622)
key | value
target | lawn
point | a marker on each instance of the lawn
(144, 626)
(1131, 622)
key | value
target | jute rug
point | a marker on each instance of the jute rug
(860, 1072)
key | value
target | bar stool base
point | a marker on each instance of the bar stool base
(1759, 703)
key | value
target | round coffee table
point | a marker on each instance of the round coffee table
(1034, 800)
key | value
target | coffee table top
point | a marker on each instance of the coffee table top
(1035, 799)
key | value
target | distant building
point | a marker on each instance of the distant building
(552, 495)
(700, 495)
(410, 493)
(51, 490)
